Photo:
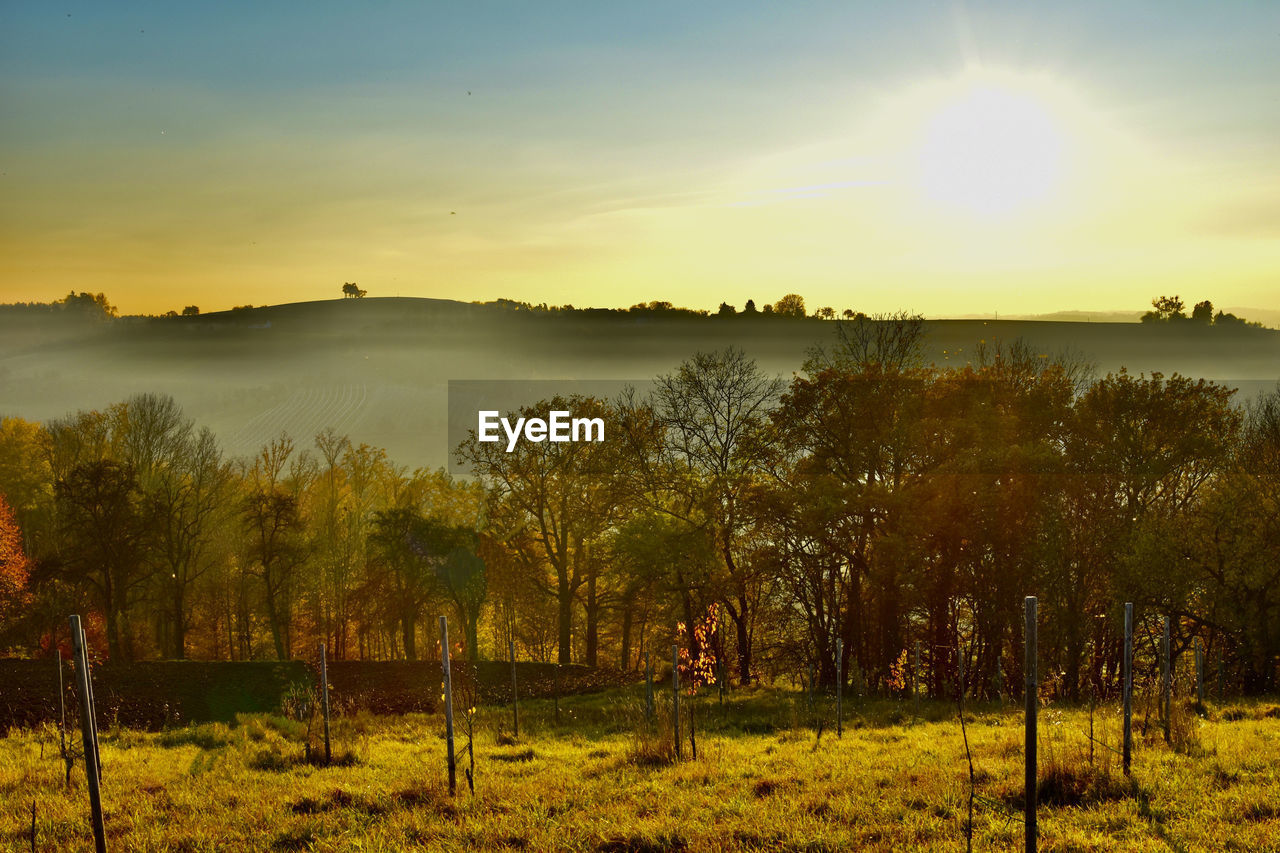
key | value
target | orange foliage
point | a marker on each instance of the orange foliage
(14, 566)
(695, 672)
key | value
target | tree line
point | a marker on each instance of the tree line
(872, 499)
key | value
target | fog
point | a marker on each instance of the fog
(377, 369)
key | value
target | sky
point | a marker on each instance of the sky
(944, 158)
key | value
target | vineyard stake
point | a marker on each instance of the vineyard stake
(93, 720)
(839, 688)
(448, 703)
(1166, 682)
(515, 702)
(809, 693)
(1199, 672)
(1128, 685)
(648, 684)
(960, 669)
(915, 680)
(62, 716)
(324, 701)
(1032, 703)
(675, 694)
(87, 734)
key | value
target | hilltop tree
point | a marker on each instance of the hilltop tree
(1203, 312)
(351, 290)
(1166, 308)
(791, 305)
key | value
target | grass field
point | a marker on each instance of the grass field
(605, 780)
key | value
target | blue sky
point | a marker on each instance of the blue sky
(611, 153)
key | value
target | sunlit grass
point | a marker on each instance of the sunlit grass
(603, 780)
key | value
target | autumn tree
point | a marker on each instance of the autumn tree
(702, 462)
(14, 565)
(563, 495)
(274, 523)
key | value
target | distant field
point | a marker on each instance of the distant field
(604, 780)
(378, 368)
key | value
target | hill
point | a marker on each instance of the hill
(378, 368)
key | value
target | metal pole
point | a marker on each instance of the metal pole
(62, 711)
(839, 688)
(448, 703)
(93, 718)
(515, 702)
(87, 734)
(1128, 686)
(324, 701)
(1032, 705)
(1166, 683)
(675, 694)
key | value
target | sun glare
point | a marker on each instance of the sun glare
(990, 150)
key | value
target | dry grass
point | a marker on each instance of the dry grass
(606, 780)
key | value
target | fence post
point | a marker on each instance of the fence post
(839, 688)
(1032, 706)
(1166, 682)
(324, 701)
(87, 733)
(1199, 672)
(515, 702)
(648, 686)
(1128, 685)
(62, 717)
(93, 719)
(675, 695)
(808, 693)
(959, 669)
(448, 704)
(915, 680)
(555, 688)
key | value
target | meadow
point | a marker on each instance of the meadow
(769, 775)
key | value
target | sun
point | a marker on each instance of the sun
(990, 150)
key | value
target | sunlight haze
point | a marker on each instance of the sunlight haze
(944, 158)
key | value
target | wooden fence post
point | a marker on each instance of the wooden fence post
(1127, 663)
(1166, 681)
(675, 695)
(555, 689)
(515, 702)
(87, 733)
(1199, 672)
(1032, 706)
(448, 704)
(324, 701)
(959, 669)
(839, 688)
